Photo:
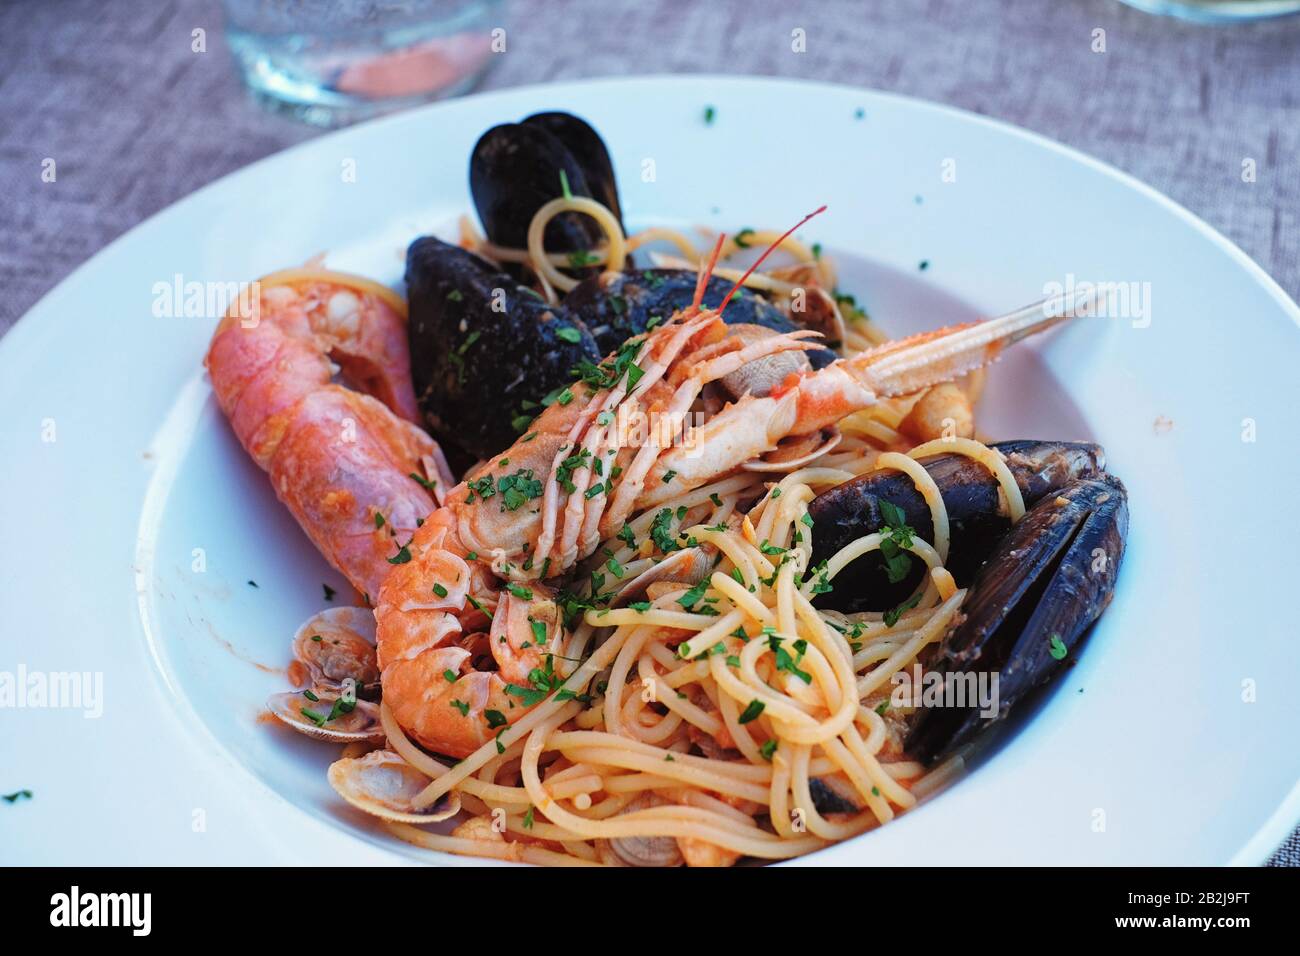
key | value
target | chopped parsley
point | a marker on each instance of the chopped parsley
(692, 597)
(896, 536)
(893, 614)
(539, 631)
(661, 533)
(752, 712)
(568, 333)
(423, 482)
(518, 488)
(785, 662)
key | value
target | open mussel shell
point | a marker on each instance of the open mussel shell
(312, 717)
(1037, 594)
(336, 644)
(976, 515)
(383, 784)
(515, 169)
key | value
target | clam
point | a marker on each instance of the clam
(321, 715)
(383, 784)
(689, 566)
(337, 644)
(797, 451)
(646, 850)
(760, 376)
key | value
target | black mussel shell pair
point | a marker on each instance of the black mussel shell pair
(486, 350)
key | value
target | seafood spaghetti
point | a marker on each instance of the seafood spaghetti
(613, 646)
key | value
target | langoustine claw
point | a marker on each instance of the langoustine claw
(1039, 591)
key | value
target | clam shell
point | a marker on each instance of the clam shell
(762, 375)
(690, 566)
(338, 643)
(796, 452)
(646, 850)
(383, 784)
(361, 723)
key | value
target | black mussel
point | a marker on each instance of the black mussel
(484, 350)
(1037, 594)
(970, 494)
(618, 305)
(586, 146)
(832, 796)
(515, 169)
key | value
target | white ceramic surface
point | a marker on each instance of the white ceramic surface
(1148, 734)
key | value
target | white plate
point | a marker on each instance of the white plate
(1145, 753)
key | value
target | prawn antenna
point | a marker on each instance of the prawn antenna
(770, 249)
(706, 273)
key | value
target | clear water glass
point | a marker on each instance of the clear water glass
(333, 62)
(1219, 11)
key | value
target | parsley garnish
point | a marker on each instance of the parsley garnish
(751, 712)
(893, 614)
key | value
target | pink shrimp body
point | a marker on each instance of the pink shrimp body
(337, 457)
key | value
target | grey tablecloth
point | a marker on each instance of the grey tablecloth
(135, 120)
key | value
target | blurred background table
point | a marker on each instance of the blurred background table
(135, 120)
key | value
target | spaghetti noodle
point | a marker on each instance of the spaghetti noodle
(710, 721)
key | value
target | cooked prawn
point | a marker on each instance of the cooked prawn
(341, 459)
(534, 511)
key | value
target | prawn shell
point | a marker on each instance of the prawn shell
(383, 784)
(971, 496)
